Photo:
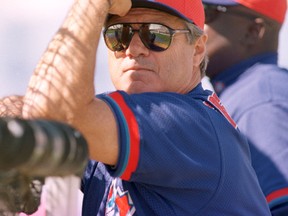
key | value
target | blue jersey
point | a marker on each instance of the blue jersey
(179, 155)
(255, 93)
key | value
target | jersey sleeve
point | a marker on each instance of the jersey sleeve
(128, 135)
(161, 136)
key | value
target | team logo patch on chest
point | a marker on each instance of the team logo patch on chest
(119, 202)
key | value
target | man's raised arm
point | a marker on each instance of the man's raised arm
(62, 86)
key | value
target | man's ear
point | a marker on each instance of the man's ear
(200, 50)
(255, 31)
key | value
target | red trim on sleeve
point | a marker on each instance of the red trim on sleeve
(133, 133)
(277, 194)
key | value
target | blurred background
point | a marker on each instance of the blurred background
(27, 26)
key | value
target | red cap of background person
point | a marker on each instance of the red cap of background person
(189, 10)
(274, 9)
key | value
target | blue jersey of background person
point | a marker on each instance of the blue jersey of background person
(252, 86)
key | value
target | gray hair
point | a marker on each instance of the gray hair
(196, 32)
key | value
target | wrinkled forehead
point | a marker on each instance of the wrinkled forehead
(148, 15)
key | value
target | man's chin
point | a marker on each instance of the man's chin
(138, 88)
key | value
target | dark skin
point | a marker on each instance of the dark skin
(233, 38)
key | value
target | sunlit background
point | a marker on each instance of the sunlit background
(26, 27)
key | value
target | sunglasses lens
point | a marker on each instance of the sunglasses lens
(156, 37)
(117, 37)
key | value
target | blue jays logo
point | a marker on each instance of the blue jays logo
(119, 202)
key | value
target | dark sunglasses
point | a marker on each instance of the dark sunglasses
(213, 11)
(156, 37)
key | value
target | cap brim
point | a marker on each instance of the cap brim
(220, 2)
(159, 6)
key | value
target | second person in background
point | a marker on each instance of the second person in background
(242, 48)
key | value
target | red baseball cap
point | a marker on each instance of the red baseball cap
(274, 9)
(189, 10)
